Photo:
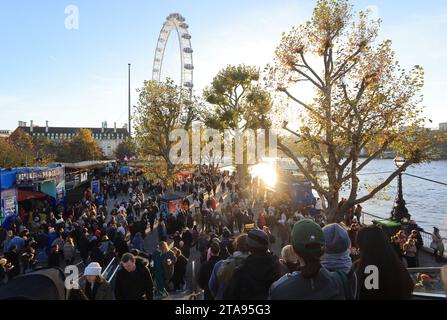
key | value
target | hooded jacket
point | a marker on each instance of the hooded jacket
(223, 272)
(325, 285)
(252, 280)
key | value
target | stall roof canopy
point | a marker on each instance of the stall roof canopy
(8, 177)
(87, 164)
(28, 195)
(388, 223)
(31, 169)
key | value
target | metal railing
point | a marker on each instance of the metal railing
(114, 273)
(107, 270)
(371, 215)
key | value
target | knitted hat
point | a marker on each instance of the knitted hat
(258, 239)
(337, 239)
(93, 269)
(307, 236)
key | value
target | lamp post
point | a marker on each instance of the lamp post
(400, 211)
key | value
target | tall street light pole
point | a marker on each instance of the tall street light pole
(130, 126)
(400, 211)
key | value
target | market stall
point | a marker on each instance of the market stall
(170, 203)
(24, 184)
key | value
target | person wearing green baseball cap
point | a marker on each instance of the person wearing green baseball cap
(312, 281)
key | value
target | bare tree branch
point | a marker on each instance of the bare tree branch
(319, 86)
(385, 183)
(339, 73)
(305, 172)
(311, 69)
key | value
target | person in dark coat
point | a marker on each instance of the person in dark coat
(261, 268)
(178, 279)
(225, 243)
(152, 215)
(169, 259)
(207, 269)
(181, 220)
(84, 246)
(53, 257)
(134, 280)
(176, 238)
(162, 231)
(187, 243)
(13, 258)
(171, 224)
(121, 246)
(189, 220)
(96, 254)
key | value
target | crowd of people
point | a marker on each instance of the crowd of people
(231, 227)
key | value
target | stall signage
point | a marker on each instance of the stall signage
(41, 175)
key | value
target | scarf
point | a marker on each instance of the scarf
(337, 262)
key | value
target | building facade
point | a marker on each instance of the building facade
(107, 139)
(5, 133)
(443, 126)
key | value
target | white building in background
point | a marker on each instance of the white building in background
(443, 126)
(107, 139)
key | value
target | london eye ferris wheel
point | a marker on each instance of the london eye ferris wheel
(175, 23)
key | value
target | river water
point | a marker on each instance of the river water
(426, 201)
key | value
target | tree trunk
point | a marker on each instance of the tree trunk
(332, 211)
(170, 180)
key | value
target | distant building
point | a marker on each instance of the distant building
(5, 133)
(108, 139)
(443, 126)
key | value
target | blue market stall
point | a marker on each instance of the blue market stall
(23, 184)
(8, 196)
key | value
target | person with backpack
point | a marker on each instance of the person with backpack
(224, 269)
(313, 281)
(252, 280)
(225, 243)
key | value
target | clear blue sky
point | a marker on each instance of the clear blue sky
(79, 77)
